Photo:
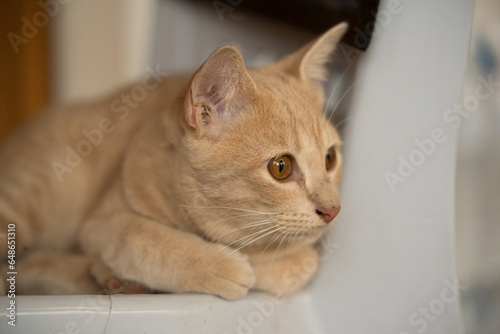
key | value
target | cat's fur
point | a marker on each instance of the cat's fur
(176, 195)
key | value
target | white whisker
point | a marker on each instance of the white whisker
(249, 225)
(279, 245)
(227, 208)
(342, 98)
(337, 85)
(276, 228)
(245, 237)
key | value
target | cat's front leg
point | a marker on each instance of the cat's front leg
(284, 276)
(166, 259)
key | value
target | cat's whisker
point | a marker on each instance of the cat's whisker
(283, 235)
(276, 228)
(287, 242)
(262, 233)
(348, 90)
(288, 239)
(279, 245)
(249, 236)
(225, 219)
(227, 208)
(344, 121)
(218, 225)
(271, 242)
(239, 228)
(255, 212)
(229, 217)
(293, 240)
(342, 77)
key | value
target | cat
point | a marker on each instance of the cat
(218, 183)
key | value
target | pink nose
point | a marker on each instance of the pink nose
(328, 214)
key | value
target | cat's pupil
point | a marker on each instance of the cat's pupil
(280, 167)
(330, 158)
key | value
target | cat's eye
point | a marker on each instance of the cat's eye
(330, 158)
(280, 167)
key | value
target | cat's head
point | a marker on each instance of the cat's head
(262, 162)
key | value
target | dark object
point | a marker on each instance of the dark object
(317, 15)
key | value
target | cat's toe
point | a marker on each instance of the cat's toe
(235, 280)
(223, 272)
(285, 276)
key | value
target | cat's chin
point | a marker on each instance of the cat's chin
(307, 236)
(308, 239)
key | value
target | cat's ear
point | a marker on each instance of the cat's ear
(217, 92)
(309, 62)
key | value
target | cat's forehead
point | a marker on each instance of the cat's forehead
(287, 97)
(289, 115)
(278, 89)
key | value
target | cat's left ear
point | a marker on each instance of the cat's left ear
(309, 62)
(217, 92)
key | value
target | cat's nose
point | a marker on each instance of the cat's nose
(328, 214)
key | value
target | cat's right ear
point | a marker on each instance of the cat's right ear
(217, 92)
(309, 62)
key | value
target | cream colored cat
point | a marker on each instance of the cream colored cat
(221, 188)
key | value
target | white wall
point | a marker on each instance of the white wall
(99, 45)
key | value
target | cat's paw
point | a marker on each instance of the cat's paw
(221, 271)
(287, 275)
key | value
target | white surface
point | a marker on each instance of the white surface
(160, 314)
(391, 253)
(57, 314)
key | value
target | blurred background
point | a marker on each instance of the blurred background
(62, 51)
(478, 181)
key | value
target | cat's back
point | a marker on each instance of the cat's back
(55, 166)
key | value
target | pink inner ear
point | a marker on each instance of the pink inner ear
(214, 92)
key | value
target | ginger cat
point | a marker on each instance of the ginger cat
(221, 188)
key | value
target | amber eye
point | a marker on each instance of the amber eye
(280, 167)
(330, 158)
